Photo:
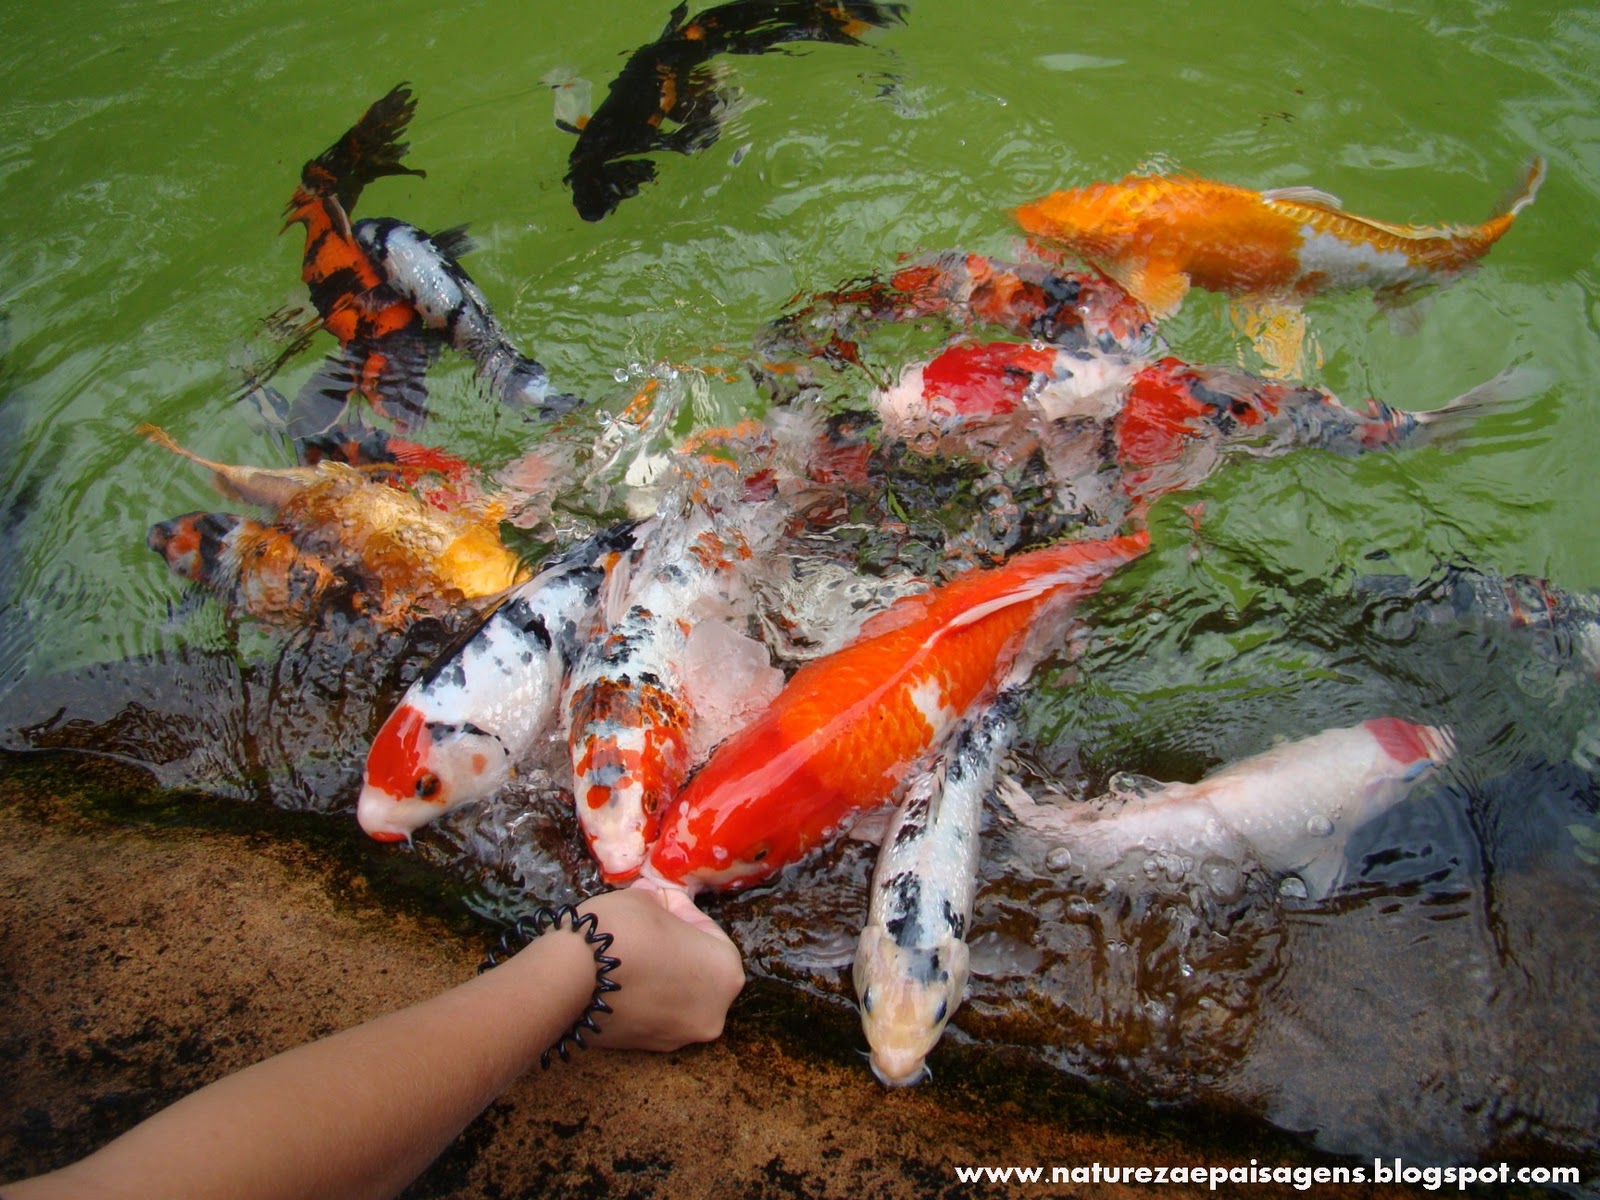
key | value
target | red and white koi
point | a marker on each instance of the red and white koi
(464, 726)
(845, 731)
(911, 961)
(1118, 433)
(1290, 810)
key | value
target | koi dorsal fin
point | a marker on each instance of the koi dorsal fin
(1303, 195)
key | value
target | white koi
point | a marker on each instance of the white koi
(1290, 809)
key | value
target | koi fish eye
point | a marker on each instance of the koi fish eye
(651, 803)
(428, 785)
(866, 1001)
(942, 1012)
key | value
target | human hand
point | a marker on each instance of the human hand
(678, 971)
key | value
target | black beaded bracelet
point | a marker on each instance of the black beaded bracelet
(526, 929)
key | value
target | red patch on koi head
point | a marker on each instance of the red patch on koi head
(988, 379)
(1160, 416)
(396, 762)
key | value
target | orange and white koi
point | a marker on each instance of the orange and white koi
(474, 716)
(1159, 235)
(1289, 810)
(911, 960)
(667, 664)
(847, 728)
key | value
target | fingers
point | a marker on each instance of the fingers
(677, 902)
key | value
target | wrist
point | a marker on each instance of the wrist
(563, 931)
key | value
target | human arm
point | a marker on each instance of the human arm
(362, 1112)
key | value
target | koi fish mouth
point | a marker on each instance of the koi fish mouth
(899, 1070)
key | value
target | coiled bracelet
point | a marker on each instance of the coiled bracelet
(529, 927)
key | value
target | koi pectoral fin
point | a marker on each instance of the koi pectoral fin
(1277, 333)
(1159, 286)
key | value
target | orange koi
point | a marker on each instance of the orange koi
(846, 729)
(1159, 235)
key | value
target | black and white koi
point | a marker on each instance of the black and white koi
(911, 961)
(464, 726)
(423, 269)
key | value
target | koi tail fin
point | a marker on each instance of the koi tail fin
(369, 150)
(1524, 193)
(154, 433)
(1450, 424)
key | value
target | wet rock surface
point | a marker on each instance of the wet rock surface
(152, 941)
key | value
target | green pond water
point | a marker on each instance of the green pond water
(146, 152)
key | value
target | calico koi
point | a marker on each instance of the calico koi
(642, 692)
(477, 713)
(911, 961)
(406, 553)
(392, 294)
(842, 735)
(253, 568)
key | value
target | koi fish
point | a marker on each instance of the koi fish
(642, 692)
(424, 269)
(911, 961)
(1117, 433)
(253, 568)
(464, 726)
(1290, 809)
(1072, 309)
(392, 294)
(411, 554)
(668, 80)
(407, 554)
(846, 729)
(383, 356)
(1159, 235)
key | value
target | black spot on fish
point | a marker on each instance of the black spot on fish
(955, 920)
(909, 830)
